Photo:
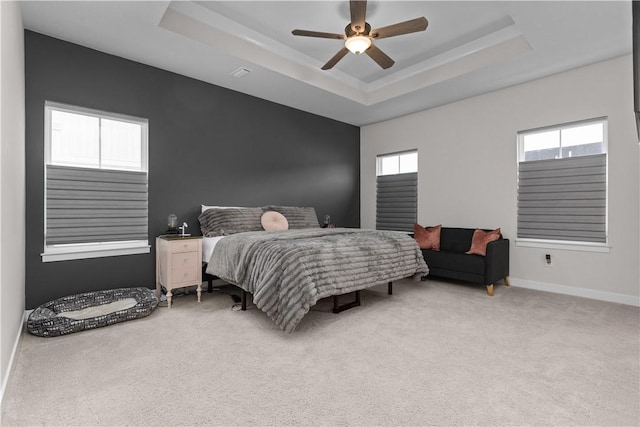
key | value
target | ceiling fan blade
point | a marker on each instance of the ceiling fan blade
(318, 34)
(379, 56)
(406, 27)
(337, 57)
(358, 10)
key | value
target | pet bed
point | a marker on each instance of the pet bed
(90, 310)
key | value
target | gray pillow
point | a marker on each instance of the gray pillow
(297, 217)
(226, 221)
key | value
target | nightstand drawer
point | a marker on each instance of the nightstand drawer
(185, 246)
(183, 275)
(184, 260)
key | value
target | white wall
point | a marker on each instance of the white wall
(467, 172)
(12, 185)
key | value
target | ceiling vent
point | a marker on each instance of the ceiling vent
(240, 72)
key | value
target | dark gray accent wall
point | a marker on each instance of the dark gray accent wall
(207, 144)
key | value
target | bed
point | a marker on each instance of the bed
(289, 269)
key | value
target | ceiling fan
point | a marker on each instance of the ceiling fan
(359, 36)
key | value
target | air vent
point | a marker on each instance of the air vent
(240, 72)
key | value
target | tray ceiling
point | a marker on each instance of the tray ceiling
(469, 48)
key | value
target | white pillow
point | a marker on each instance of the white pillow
(274, 221)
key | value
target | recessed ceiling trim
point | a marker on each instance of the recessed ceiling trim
(452, 69)
(199, 23)
(250, 46)
(492, 39)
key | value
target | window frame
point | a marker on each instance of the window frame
(584, 246)
(380, 157)
(64, 252)
(560, 127)
(380, 175)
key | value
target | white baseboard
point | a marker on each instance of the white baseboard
(578, 292)
(12, 359)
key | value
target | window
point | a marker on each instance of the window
(96, 183)
(396, 191)
(562, 185)
(563, 142)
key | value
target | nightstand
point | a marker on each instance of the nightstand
(178, 263)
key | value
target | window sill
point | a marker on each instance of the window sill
(99, 250)
(564, 245)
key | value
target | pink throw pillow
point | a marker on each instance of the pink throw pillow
(428, 238)
(480, 240)
(274, 221)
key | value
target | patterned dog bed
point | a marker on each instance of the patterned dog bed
(90, 310)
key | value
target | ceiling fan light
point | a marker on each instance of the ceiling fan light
(357, 44)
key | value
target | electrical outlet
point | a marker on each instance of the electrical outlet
(547, 258)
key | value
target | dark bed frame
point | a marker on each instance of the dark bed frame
(337, 307)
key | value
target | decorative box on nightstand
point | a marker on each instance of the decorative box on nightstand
(178, 263)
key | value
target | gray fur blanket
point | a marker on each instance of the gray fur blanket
(289, 271)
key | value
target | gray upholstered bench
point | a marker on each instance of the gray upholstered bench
(90, 310)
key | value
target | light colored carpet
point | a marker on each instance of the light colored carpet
(432, 354)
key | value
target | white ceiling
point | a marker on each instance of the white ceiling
(469, 47)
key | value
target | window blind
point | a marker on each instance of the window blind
(397, 201)
(563, 199)
(85, 205)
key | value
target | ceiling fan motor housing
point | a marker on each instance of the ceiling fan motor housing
(350, 32)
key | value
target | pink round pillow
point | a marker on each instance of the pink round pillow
(274, 221)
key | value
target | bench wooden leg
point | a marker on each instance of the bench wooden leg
(390, 288)
(490, 289)
(506, 281)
